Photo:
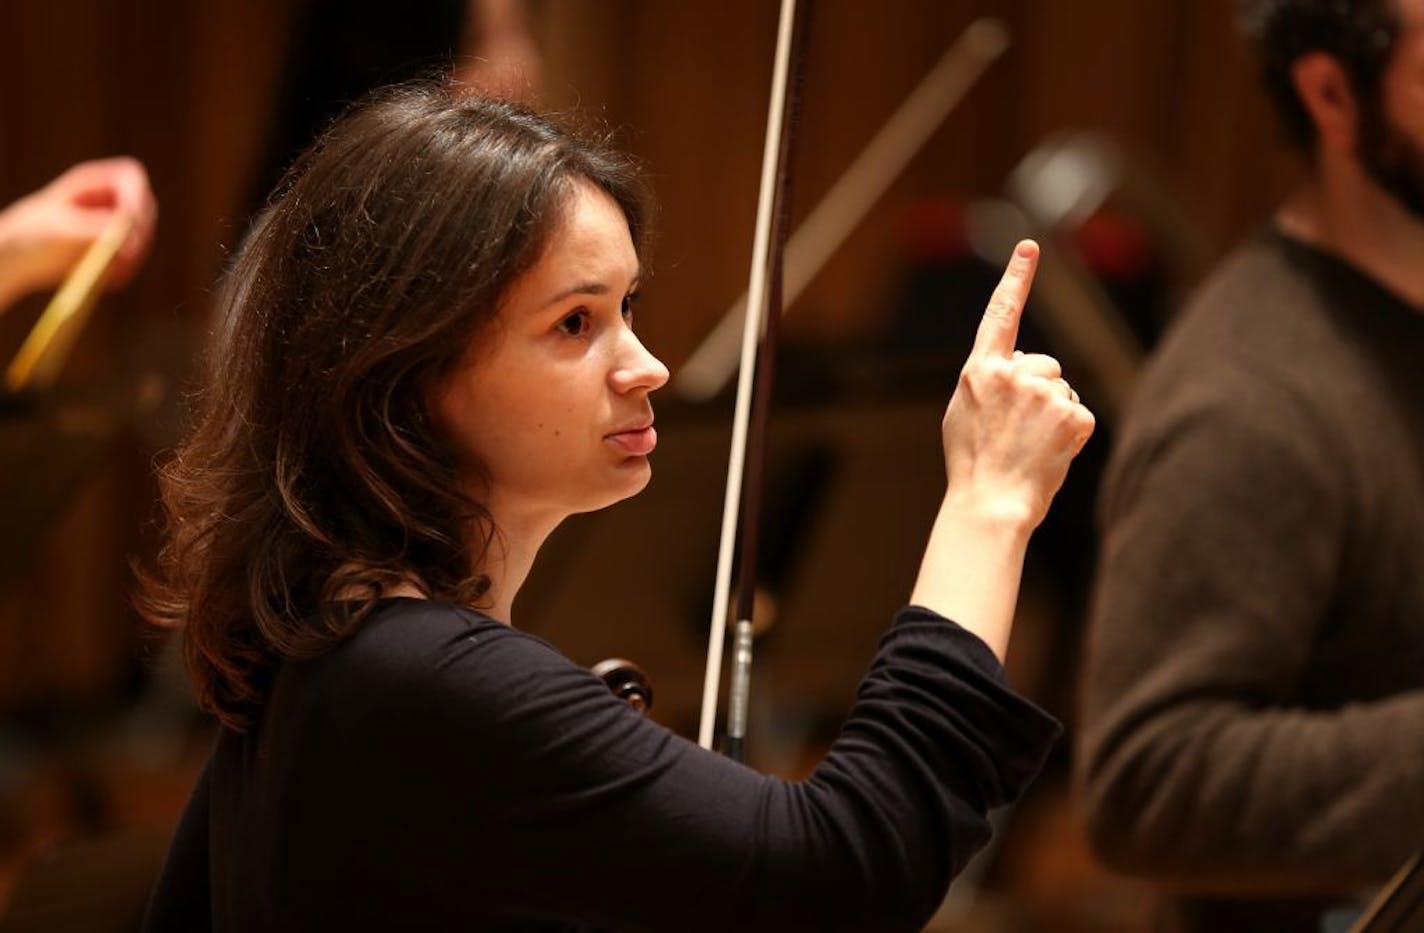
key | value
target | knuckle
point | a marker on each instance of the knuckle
(1000, 375)
(1001, 308)
(1043, 390)
(984, 372)
(1045, 366)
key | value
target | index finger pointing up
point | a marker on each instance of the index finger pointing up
(999, 330)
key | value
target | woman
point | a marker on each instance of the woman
(429, 364)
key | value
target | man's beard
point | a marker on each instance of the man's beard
(1389, 157)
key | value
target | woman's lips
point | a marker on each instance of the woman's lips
(638, 443)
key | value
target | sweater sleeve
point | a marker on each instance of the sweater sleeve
(583, 800)
(1199, 762)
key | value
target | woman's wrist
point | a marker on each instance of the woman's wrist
(973, 563)
(998, 515)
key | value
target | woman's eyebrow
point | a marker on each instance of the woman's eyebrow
(590, 288)
(583, 288)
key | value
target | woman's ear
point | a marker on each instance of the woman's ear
(1327, 95)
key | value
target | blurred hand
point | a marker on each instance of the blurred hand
(1013, 425)
(44, 234)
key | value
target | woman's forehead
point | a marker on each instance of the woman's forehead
(589, 251)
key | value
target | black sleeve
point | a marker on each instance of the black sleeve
(550, 798)
(182, 897)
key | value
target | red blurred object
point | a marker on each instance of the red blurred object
(1115, 247)
(933, 231)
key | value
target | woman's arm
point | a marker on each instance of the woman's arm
(1011, 430)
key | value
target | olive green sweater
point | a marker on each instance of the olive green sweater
(1252, 717)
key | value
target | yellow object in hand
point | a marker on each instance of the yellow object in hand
(44, 351)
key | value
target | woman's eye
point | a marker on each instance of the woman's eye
(627, 309)
(576, 324)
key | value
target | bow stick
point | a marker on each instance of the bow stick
(744, 463)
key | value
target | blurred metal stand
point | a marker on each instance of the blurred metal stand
(1068, 178)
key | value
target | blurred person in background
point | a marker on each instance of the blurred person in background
(43, 234)
(1252, 719)
(340, 50)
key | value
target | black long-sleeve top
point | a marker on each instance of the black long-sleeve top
(443, 771)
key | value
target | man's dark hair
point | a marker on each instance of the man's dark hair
(1360, 34)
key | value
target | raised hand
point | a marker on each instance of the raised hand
(1014, 424)
(1012, 427)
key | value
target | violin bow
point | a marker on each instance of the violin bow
(760, 308)
(742, 504)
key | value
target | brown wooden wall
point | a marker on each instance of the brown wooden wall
(186, 87)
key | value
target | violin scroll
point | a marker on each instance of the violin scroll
(628, 682)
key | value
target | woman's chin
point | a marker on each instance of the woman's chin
(634, 475)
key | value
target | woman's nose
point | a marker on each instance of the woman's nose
(637, 368)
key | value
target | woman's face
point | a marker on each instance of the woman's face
(551, 404)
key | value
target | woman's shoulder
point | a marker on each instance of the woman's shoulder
(409, 617)
(427, 634)
(410, 648)
(422, 674)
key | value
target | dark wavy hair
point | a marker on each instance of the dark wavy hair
(1359, 34)
(315, 479)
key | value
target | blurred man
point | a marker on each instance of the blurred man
(1252, 729)
(43, 234)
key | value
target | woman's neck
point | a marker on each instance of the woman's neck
(507, 562)
(521, 532)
